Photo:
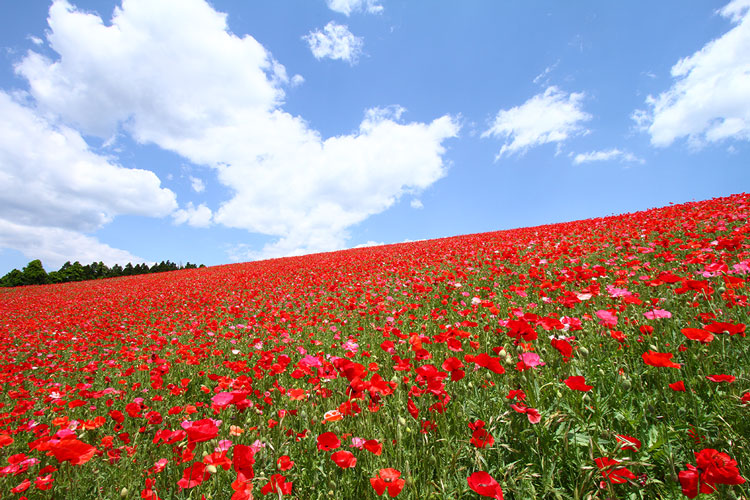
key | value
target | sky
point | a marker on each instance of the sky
(229, 131)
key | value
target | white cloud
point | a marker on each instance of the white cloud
(54, 246)
(551, 117)
(197, 184)
(170, 73)
(297, 80)
(607, 155)
(369, 244)
(199, 216)
(335, 42)
(169, 58)
(708, 100)
(417, 204)
(346, 7)
(53, 185)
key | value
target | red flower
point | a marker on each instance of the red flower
(328, 441)
(387, 479)
(344, 459)
(284, 463)
(373, 446)
(721, 378)
(678, 386)
(484, 484)
(712, 468)
(44, 482)
(630, 443)
(659, 359)
(481, 438)
(532, 413)
(193, 476)
(578, 384)
(200, 430)
(698, 334)
(717, 467)
(616, 475)
(72, 450)
(243, 459)
(689, 480)
(22, 486)
(278, 483)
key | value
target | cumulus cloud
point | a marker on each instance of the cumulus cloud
(199, 216)
(607, 155)
(416, 203)
(53, 185)
(183, 81)
(335, 42)
(708, 100)
(346, 7)
(54, 245)
(550, 117)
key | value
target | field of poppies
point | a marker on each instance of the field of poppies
(604, 358)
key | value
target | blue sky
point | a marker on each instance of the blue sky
(229, 131)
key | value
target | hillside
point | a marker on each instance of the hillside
(590, 359)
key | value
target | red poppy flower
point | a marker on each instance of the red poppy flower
(629, 442)
(698, 334)
(578, 383)
(563, 346)
(373, 446)
(717, 467)
(678, 386)
(486, 485)
(193, 476)
(616, 475)
(277, 483)
(200, 430)
(44, 482)
(284, 463)
(22, 486)
(481, 438)
(344, 459)
(659, 359)
(243, 459)
(713, 467)
(328, 441)
(387, 479)
(72, 450)
(721, 378)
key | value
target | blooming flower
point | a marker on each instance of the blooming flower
(578, 383)
(389, 479)
(484, 484)
(712, 467)
(344, 459)
(659, 359)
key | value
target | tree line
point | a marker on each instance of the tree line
(34, 273)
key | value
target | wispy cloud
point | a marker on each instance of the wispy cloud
(607, 155)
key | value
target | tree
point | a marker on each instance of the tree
(34, 273)
(13, 278)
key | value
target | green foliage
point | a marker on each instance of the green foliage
(34, 273)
